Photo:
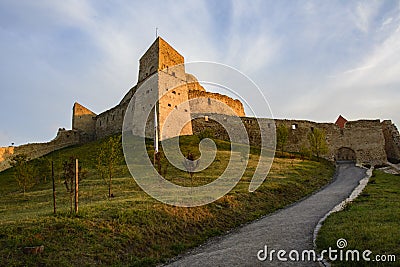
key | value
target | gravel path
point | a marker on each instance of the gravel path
(288, 229)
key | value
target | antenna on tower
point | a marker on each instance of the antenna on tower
(156, 32)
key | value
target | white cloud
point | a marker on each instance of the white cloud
(364, 13)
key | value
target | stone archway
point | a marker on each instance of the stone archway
(346, 154)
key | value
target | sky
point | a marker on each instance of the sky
(312, 60)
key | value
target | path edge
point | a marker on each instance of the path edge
(354, 194)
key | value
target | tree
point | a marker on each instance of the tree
(305, 152)
(160, 165)
(24, 172)
(69, 178)
(317, 141)
(108, 159)
(282, 133)
(44, 168)
(71, 181)
(191, 165)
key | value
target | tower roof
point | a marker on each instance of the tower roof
(160, 55)
(341, 122)
(78, 109)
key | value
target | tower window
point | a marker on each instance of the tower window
(209, 101)
(173, 73)
(169, 105)
(174, 92)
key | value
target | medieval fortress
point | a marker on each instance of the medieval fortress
(365, 141)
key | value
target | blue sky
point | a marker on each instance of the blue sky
(312, 59)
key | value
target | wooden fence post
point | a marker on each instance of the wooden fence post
(76, 185)
(54, 186)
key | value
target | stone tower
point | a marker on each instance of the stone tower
(167, 66)
(84, 121)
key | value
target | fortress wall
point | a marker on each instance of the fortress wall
(392, 141)
(365, 137)
(251, 125)
(193, 83)
(235, 104)
(63, 139)
(110, 122)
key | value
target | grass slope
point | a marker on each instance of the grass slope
(371, 222)
(132, 228)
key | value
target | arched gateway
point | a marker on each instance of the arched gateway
(345, 154)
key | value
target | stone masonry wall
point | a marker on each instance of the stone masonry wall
(63, 139)
(365, 137)
(110, 122)
(235, 104)
(392, 141)
(83, 120)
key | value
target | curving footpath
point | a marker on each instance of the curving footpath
(287, 229)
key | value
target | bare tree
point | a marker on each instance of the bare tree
(69, 178)
(191, 165)
(159, 164)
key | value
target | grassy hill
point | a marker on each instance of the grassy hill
(370, 222)
(133, 228)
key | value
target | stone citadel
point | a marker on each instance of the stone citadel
(364, 141)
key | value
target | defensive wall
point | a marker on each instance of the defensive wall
(363, 137)
(234, 104)
(63, 139)
(392, 141)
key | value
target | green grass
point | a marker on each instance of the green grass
(132, 228)
(371, 222)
